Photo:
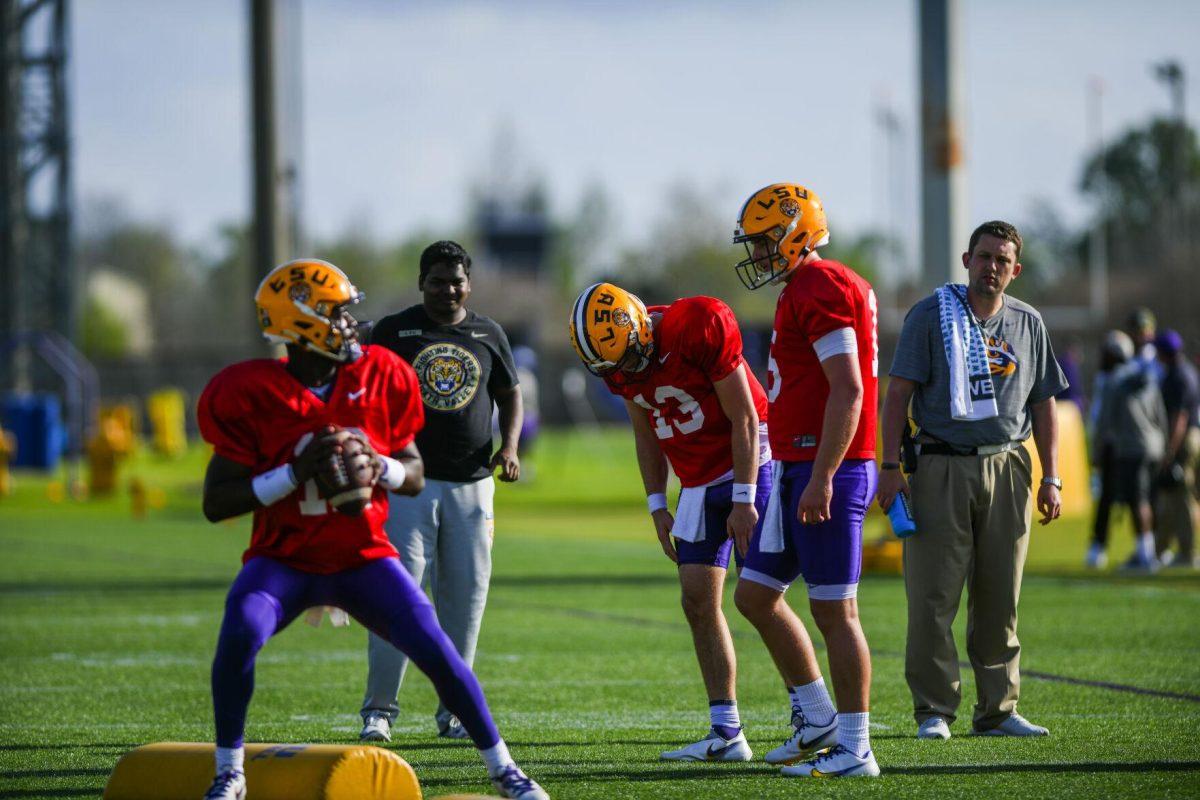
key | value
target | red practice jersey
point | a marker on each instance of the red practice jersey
(696, 343)
(257, 414)
(826, 307)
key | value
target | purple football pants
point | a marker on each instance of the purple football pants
(267, 596)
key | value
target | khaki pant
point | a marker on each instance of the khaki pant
(1176, 511)
(972, 515)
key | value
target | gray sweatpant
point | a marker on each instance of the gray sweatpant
(444, 536)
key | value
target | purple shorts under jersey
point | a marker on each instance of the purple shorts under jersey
(828, 555)
(714, 549)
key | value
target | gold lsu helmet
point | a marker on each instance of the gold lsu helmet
(779, 225)
(305, 303)
(611, 330)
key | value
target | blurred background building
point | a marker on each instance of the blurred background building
(568, 142)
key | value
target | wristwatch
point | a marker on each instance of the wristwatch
(1055, 482)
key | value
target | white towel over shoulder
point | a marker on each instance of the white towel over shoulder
(972, 392)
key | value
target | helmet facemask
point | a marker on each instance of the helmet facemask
(341, 340)
(764, 262)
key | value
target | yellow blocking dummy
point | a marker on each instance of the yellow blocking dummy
(1072, 462)
(165, 408)
(183, 771)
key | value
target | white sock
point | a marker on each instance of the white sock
(813, 699)
(496, 757)
(1146, 546)
(853, 732)
(724, 713)
(230, 758)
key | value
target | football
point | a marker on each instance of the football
(347, 477)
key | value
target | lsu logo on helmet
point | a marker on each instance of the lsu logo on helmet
(610, 330)
(305, 303)
(779, 225)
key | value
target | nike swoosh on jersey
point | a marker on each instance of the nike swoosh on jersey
(663, 360)
(478, 335)
(356, 395)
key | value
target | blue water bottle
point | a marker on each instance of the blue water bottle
(898, 512)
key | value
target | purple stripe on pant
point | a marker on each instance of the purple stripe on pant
(267, 595)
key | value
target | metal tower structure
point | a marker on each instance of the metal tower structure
(36, 259)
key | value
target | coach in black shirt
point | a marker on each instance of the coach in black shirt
(463, 364)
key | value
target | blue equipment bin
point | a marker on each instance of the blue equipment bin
(36, 420)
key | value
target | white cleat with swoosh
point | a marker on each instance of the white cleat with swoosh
(807, 739)
(713, 747)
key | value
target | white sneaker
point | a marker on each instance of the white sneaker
(806, 740)
(514, 783)
(376, 728)
(713, 747)
(933, 728)
(230, 785)
(1015, 725)
(1097, 558)
(453, 729)
(836, 762)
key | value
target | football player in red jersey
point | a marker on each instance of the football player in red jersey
(822, 387)
(694, 404)
(270, 423)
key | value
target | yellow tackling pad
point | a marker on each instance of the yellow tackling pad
(184, 771)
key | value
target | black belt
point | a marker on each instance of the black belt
(945, 449)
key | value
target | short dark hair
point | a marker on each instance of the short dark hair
(999, 229)
(444, 252)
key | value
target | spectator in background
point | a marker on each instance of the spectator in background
(1069, 362)
(1176, 502)
(1132, 424)
(526, 361)
(1116, 351)
(1141, 326)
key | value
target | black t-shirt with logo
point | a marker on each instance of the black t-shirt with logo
(460, 368)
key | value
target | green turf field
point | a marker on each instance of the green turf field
(107, 626)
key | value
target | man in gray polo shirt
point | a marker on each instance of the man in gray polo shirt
(971, 491)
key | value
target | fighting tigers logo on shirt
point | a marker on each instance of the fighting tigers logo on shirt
(448, 374)
(1002, 361)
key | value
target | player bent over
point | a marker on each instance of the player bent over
(822, 385)
(693, 403)
(277, 427)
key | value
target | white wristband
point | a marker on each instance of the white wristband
(656, 502)
(393, 474)
(274, 484)
(744, 492)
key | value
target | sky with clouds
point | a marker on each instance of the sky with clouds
(402, 103)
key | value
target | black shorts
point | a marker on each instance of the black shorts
(1134, 480)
